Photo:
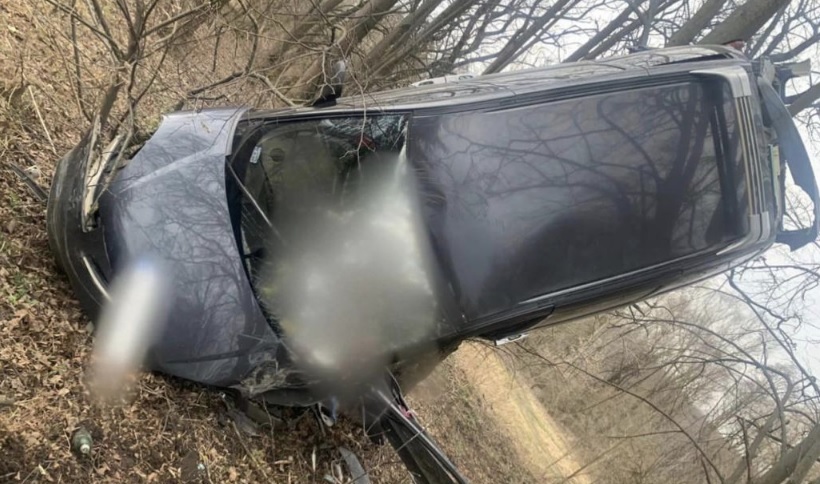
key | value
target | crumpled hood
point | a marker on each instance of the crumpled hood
(169, 202)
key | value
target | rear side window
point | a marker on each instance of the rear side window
(541, 198)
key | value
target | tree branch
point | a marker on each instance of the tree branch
(804, 100)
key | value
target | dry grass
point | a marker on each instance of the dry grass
(460, 422)
(538, 440)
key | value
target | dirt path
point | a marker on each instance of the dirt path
(534, 435)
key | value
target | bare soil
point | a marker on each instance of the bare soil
(537, 439)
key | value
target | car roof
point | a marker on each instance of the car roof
(514, 82)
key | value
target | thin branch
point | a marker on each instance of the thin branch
(255, 462)
(653, 407)
(78, 86)
(100, 16)
(42, 122)
(73, 13)
(176, 18)
(273, 89)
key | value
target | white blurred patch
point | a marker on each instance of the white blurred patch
(128, 325)
(354, 286)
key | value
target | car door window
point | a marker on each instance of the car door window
(546, 197)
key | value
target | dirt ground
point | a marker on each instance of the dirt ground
(490, 423)
(538, 441)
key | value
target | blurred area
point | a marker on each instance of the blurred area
(128, 325)
(350, 286)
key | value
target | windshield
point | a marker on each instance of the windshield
(330, 229)
(536, 199)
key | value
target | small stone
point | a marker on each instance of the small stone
(34, 172)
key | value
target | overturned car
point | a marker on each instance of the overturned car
(311, 252)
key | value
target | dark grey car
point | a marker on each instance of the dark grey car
(529, 198)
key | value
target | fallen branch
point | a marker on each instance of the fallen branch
(35, 188)
(273, 89)
(42, 122)
(255, 463)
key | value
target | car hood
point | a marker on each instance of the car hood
(169, 203)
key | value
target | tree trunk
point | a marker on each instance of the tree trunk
(805, 99)
(619, 21)
(695, 25)
(309, 21)
(614, 39)
(805, 464)
(744, 22)
(396, 56)
(411, 22)
(809, 448)
(368, 16)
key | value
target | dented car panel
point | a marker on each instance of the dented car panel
(169, 201)
(81, 254)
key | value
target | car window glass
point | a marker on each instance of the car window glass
(542, 198)
(330, 219)
(296, 169)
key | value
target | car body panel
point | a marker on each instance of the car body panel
(82, 255)
(169, 203)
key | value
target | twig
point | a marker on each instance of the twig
(238, 74)
(42, 122)
(74, 14)
(248, 451)
(581, 469)
(100, 16)
(77, 69)
(273, 89)
(176, 18)
(654, 407)
(746, 449)
(35, 188)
